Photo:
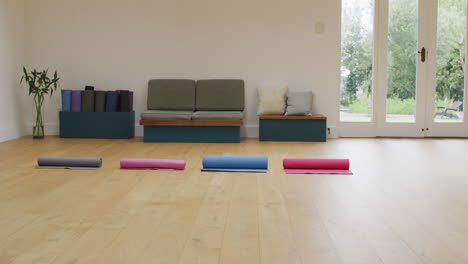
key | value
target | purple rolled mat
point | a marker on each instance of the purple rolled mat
(76, 101)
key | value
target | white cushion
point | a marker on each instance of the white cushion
(271, 100)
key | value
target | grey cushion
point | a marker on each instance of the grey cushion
(166, 94)
(218, 115)
(220, 95)
(299, 102)
(167, 115)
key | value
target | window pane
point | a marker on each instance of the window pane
(451, 35)
(402, 51)
(357, 49)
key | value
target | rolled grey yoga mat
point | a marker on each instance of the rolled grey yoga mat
(87, 101)
(69, 163)
(100, 101)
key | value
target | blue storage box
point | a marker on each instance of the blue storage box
(97, 124)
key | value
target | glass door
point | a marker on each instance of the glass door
(445, 108)
(403, 99)
(358, 38)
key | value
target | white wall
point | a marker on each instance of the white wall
(11, 59)
(121, 44)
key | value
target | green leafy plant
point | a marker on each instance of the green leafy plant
(39, 84)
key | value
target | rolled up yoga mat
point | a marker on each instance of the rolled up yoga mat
(76, 101)
(66, 100)
(112, 101)
(89, 88)
(131, 101)
(152, 164)
(87, 101)
(100, 101)
(124, 105)
(235, 163)
(316, 166)
(68, 163)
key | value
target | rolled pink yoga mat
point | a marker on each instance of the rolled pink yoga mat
(316, 166)
(152, 164)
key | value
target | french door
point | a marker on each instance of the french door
(412, 82)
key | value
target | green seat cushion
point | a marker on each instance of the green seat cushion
(220, 95)
(218, 115)
(167, 94)
(166, 115)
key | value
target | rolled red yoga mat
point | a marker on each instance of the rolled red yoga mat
(152, 164)
(316, 166)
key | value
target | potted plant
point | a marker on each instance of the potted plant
(39, 84)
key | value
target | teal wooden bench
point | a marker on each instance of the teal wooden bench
(293, 128)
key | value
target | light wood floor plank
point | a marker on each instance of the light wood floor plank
(241, 237)
(206, 240)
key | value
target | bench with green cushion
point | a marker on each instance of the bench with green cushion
(188, 111)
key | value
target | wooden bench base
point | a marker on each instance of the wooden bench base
(195, 131)
(293, 128)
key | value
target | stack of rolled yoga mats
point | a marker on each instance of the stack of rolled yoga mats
(90, 100)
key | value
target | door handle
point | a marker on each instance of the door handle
(423, 54)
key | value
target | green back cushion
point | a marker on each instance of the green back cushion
(220, 95)
(167, 94)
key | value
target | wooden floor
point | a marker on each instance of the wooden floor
(406, 203)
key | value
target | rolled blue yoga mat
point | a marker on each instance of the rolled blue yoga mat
(66, 100)
(112, 101)
(235, 163)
